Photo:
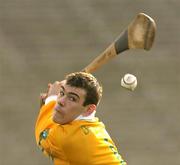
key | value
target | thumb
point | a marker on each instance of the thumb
(43, 96)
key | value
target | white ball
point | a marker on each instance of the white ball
(129, 81)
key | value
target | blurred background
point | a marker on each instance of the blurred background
(41, 41)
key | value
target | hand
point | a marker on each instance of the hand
(43, 97)
(54, 89)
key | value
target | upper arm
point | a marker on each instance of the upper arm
(50, 142)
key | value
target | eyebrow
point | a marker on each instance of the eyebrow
(71, 93)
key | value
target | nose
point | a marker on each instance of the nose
(61, 101)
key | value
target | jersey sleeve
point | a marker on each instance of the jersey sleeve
(44, 120)
(49, 134)
(50, 143)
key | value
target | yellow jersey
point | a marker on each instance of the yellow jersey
(80, 142)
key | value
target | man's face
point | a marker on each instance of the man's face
(69, 104)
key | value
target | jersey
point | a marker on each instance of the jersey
(80, 142)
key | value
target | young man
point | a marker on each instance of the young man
(67, 129)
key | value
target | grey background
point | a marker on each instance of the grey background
(42, 40)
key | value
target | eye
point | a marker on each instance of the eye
(71, 98)
(61, 93)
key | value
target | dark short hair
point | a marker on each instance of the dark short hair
(87, 82)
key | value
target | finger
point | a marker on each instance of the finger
(57, 83)
(49, 85)
(62, 82)
(43, 95)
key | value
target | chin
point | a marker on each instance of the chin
(57, 120)
(54, 119)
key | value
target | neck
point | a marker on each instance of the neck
(90, 117)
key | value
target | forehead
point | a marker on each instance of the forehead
(70, 89)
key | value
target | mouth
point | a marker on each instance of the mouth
(58, 110)
(58, 114)
(57, 107)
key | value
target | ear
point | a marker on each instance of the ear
(89, 109)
